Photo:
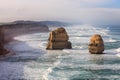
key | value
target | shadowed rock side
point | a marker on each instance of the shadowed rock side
(58, 39)
(3, 51)
(96, 45)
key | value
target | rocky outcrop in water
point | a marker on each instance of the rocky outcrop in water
(58, 39)
(3, 51)
(96, 45)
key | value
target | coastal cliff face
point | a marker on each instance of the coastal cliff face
(58, 39)
(96, 45)
(3, 51)
(15, 29)
(9, 31)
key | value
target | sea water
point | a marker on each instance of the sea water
(33, 62)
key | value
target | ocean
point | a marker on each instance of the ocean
(33, 62)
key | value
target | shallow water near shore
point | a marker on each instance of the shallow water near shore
(33, 62)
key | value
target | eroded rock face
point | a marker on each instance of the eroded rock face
(96, 45)
(58, 39)
(3, 51)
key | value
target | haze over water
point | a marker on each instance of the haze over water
(77, 11)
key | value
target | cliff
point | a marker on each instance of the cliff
(14, 29)
(10, 30)
(48, 23)
(3, 51)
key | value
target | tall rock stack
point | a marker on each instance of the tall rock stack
(58, 39)
(3, 51)
(96, 45)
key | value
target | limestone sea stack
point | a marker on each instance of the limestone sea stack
(58, 39)
(96, 45)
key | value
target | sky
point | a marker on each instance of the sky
(80, 11)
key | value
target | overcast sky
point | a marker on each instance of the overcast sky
(85, 11)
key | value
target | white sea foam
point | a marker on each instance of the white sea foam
(78, 47)
(85, 30)
(118, 55)
(46, 75)
(43, 44)
(66, 50)
(112, 40)
(118, 50)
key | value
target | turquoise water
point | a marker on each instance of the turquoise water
(33, 62)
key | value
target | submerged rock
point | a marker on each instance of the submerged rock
(96, 45)
(58, 39)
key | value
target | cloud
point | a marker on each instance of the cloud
(86, 11)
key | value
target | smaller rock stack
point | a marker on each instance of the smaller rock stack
(58, 39)
(96, 45)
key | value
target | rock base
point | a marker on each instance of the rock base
(58, 45)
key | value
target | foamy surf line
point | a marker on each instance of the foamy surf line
(75, 51)
(118, 50)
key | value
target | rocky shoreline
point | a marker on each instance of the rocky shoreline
(9, 31)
